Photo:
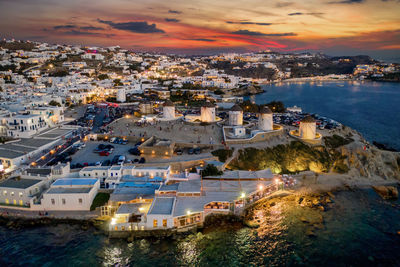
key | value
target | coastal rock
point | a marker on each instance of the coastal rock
(386, 192)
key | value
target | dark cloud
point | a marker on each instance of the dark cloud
(249, 23)
(84, 33)
(202, 40)
(91, 28)
(347, 2)
(59, 27)
(172, 20)
(174, 11)
(133, 26)
(71, 26)
(316, 14)
(252, 33)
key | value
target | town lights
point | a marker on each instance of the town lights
(243, 195)
(141, 209)
(260, 187)
(188, 212)
(113, 221)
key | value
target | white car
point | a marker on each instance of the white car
(98, 163)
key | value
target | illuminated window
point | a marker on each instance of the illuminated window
(164, 222)
(21, 203)
(21, 194)
(155, 223)
(12, 194)
(5, 192)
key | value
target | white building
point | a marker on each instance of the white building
(308, 128)
(25, 125)
(121, 95)
(236, 116)
(207, 112)
(19, 191)
(168, 110)
(70, 194)
(265, 119)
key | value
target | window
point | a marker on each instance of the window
(21, 194)
(7, 201)
(155, 223)
(5, 192)
(63, 201)
(12, 194)
(84, 174)
(14, 202)
(164, 222)
(53, 202)
(21, 203)
(80, 201)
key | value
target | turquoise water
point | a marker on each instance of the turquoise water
(372, 108)
(359, 229)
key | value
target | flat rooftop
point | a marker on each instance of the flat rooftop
(133, 208)
(73, 190)
(162, 205)
(75, 181)
(19, 183)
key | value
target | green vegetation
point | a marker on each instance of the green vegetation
(211, 170)
(100, 200)
(292, 158)
(54, 103)
(336, 141)
(102, 77)
(222, 154)
(117, 82)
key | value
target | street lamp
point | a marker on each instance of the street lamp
(260, 187)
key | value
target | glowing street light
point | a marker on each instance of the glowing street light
(188, 212)
(243, 195)
(260, 187)
(113, 221)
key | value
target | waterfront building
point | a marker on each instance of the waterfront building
(19, 191)
(70, 194)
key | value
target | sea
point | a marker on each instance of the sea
(359, 228)
(371, 108)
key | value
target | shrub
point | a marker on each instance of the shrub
(222, 154)
(100, 200)
(211, 170)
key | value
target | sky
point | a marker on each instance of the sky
(335, 27)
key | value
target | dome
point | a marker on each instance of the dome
(208, 105)
(236, 107)
(308, 119)
(265, 110)
(168, 103)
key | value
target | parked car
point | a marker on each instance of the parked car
(197, 150)
(121, 160)
(190, 151)
(115, 159)
(135, 160)
(179, 151)
(112, 140)
(106, 163)
(134, 151)
(142, 160)
(98, 163)
(104, 153)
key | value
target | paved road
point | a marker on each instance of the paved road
(98, 120)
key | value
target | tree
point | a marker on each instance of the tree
(102, 77)
(117, 82)
(54, 103)
(210, 170)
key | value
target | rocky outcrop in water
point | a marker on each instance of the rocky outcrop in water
(387, 192)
